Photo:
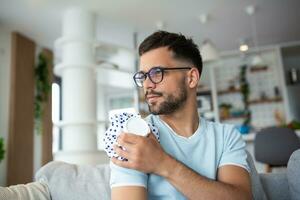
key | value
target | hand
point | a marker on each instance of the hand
(143, 153)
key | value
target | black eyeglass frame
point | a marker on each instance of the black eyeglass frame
(163, 69)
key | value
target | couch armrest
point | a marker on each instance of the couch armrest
(30, 191)
(275, 185)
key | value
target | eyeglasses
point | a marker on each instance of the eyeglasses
(155, 74)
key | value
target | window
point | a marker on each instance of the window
(56, 115)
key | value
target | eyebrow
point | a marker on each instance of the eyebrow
(148, 70)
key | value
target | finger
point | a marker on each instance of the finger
(151, 135)
(130, 138)
(128, 146)
(121, 152)
(121, 163)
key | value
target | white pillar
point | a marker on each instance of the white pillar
(77, 70)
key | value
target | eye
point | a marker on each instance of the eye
(155, 71)
(139, 75)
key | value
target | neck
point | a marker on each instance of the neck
(184, 121)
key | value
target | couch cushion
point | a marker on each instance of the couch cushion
(257, 189)
(68, 181)
(293, 175)
(275, 185)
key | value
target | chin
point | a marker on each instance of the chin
(153, 110)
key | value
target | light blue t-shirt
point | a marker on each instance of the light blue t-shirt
(212, 145)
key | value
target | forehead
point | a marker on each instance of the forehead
(157, 57)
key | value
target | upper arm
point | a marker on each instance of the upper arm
(235, 176)
(129, 192)
(127, 183)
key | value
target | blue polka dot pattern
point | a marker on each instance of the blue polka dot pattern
(115, 129)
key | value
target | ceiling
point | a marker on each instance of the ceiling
(276, 21)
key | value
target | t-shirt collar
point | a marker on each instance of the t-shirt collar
(199, 130)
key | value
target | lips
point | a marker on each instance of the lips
(151, 98)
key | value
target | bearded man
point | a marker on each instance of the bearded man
(195, 159)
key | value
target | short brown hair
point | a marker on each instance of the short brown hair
(183, 48)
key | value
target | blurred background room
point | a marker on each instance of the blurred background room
(64, 65)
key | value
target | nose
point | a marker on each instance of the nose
(148, 84)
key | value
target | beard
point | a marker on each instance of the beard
(172, 102)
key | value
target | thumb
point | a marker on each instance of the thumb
(152, 136)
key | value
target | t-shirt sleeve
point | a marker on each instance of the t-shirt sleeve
(120, 176)
(234, 152)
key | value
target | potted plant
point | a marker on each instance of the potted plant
(42, 89)
(225, 110)
(245, 91)
(2, 151)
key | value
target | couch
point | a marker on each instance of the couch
(62, 181)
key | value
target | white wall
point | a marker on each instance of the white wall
(5, 48)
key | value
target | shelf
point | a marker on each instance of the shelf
(253, 102)
(203, 92)
(293, 84)
(268, 100)
(230, 91)
(255, 69)
(233, 117)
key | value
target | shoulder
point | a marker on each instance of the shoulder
(221, 131)
(220, 128)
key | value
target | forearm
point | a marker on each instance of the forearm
(129, 192)
(30, 191)
(194, 186)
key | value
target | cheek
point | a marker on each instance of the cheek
(180, 83)
(170, 82)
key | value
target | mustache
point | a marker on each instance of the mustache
(152, 92)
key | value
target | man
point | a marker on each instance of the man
(195, 159)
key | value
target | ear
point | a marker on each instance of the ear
(193, 77)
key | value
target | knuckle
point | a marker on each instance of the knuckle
(120, 143)
(118, 151)
(119, 140)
